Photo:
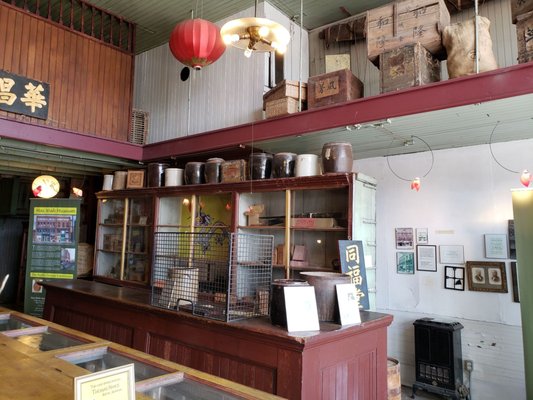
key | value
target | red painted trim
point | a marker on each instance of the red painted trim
(69, 140)
(502, 83)
(505, 82)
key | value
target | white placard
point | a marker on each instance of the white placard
(348, 304)
(300, 308)
(112, 384)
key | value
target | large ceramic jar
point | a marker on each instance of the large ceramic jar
(156, 172)
(213, 170)
(337, 157)
(283, 165)
(260, 165)
(194, 173)
(277, 304)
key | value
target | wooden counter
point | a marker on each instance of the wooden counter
(335, 363)
(29, 372)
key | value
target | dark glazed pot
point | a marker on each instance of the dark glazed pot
(283, 165)
(156, 174)
(194, 173)
(261, 165)
(337, 157)
(277, 304)
(325, 292)
(213, 170)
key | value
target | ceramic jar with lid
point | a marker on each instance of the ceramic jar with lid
(156, 174)
(306, 165)
(337, 157)
(283, 165)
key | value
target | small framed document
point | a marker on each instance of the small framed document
(426, 258)
(496, 246)
(348, 304)
(112, 384)
(300, 308)
(451, 254)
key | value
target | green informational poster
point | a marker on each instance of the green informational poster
(52, 247)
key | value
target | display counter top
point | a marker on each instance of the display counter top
(251, 352)
(39, 362)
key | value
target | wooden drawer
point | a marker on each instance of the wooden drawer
(332, 88)
(524, 37)
(407, 66)
(406, 22)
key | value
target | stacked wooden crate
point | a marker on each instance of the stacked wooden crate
(522, 14)
(333, 87)
(404, 41)
(283, 99)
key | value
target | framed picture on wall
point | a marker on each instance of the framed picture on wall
(484, 276)
(404, 238)
(451, 254)
(422, 236)
(405, 262)
(514, 282)
(454, 277)
(426, 258)
(495, 246)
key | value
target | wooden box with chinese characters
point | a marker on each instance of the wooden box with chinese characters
(406, 22)
(234, 171)
(524, 37)
(332, 88)
(407, 66)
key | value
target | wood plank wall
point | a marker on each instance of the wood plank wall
(90, 83)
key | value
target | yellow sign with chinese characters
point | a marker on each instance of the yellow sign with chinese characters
(22, 95)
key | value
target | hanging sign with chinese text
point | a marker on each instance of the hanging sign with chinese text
(23, 95)
(353, 264)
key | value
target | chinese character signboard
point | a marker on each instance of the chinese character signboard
(353, 264)
(23, 95)
(52, 244)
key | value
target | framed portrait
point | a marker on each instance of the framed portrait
(454, 277)
(135, 179)
(514, 282)
(426, 258)
(495, 246)
(422, 236)
(451, 254)
(486, 276)
(405, 262)
(404, 238)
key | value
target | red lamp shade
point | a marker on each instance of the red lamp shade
(196, 42)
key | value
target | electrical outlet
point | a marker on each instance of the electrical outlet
(469, 365)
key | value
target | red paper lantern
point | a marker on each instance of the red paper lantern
(196, 42)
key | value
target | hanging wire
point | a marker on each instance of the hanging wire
(492, 153)
(430, 167)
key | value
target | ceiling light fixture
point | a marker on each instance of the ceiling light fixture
(255, 34)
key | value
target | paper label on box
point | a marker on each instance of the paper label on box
(327, 87)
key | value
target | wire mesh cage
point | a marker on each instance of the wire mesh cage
(223, 276)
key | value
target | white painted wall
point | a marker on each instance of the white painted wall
(227, 93)
(465, 195)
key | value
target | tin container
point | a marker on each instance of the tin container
(261, 165)
(194, 173)
(213, 170)
(283, 165)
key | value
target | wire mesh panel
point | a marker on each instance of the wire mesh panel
(216, 275)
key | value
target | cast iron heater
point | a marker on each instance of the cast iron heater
(438, 357)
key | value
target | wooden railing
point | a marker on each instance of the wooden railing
(85, 18)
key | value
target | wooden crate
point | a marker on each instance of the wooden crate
(406, 22)
(234, 171)
(285, 88)
(332, 88)
(524, 37)
(84, 258)
(283, 106)
(519, 8)
(407, 66)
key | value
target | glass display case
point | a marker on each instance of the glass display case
(43, 338)
(124, 239)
